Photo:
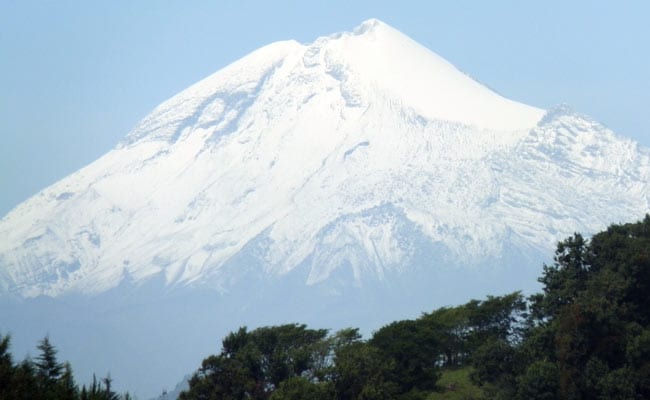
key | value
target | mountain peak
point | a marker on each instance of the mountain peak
(379, 57)
(371, 65)
(368, 26)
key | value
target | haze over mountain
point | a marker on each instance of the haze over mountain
(359, 175)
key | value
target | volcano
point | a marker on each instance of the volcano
(350, 181)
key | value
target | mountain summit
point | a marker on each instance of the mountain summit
(343, 153)
(316, 182)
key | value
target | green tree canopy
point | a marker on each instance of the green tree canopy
(587, 333)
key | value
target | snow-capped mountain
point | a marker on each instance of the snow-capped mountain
(319, 155)
(357, 160)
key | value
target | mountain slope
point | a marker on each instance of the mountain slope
(296, 152)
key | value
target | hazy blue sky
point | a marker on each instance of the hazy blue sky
(75, 76)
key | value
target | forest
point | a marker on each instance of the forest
(45, 378)
(586, 335)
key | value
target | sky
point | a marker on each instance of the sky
(76, 76)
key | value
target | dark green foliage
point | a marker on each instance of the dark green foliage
(25, 382)
(362, 373)
(97, 391)
(46, 378)
(497, 317)
(253, 364)
(65, 387)
(539, 381)
(452, 329)
(411, 348)
(49, 371)
(402, 360)
(48, 368)
(494, 362)
(461, 330)
(6, 367)
(587, 336)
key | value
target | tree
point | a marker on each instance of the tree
(362, 373)
(497, 317)
(564, 279)
(25, 383)
(97, 391)
(6, 367)
(324, 353)
(452, 327)
(254, 364)
(66, 389)
(495, 366)
(412, 348)
(46, 378)
(539, 382)
(48, 368)
(587, 333)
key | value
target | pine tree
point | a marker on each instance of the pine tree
(48, 368)
(25, 385)
(6, 367)
(66, 389)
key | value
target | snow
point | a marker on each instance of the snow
(354, 150)
(390, 61)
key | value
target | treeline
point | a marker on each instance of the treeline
(586, 336)
(401, 360)
(45, 378)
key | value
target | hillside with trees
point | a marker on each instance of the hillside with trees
(586, 336)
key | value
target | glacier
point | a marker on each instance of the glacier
(349, 181)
